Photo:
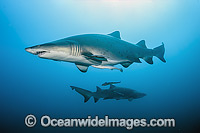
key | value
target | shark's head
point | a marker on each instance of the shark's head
(139, 95)
(50, 51)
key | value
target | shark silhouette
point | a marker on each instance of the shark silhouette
(112, 93)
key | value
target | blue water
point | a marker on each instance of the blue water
(31, 85)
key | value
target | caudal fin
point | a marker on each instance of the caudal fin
(159, 52)
(85, 93)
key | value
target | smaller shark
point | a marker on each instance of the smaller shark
(109, 83)
(112, 93)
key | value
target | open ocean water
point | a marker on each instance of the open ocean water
(31, 85)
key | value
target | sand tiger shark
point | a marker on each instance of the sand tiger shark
(112, 93)
(97, 50)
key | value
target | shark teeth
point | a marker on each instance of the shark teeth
(40, 52)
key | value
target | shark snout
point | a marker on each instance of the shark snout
(36, 50)
(29, 50)
(32, 50)
(142, 95)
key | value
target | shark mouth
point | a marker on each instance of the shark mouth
(39, 53)
(36, 51)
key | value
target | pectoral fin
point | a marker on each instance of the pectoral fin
(96, 59)
(121, 94)
(82, 68)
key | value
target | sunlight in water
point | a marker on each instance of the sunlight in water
(117, 9)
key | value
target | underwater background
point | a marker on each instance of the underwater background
(31, 85)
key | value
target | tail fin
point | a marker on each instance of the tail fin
(85, 93)
(159, 52)
(98, 91)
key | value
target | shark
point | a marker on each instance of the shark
(113, 92)
(97, 50)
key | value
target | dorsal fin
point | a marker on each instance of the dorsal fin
(141, 44)
(98, 89)
(112, 86)
(115, 34)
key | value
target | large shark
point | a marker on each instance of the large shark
(97, 50)
(112, 93)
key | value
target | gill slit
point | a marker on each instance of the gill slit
(76, 50)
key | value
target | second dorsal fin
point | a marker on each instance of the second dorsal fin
(141, 44)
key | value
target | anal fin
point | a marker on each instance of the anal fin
(148, 59)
